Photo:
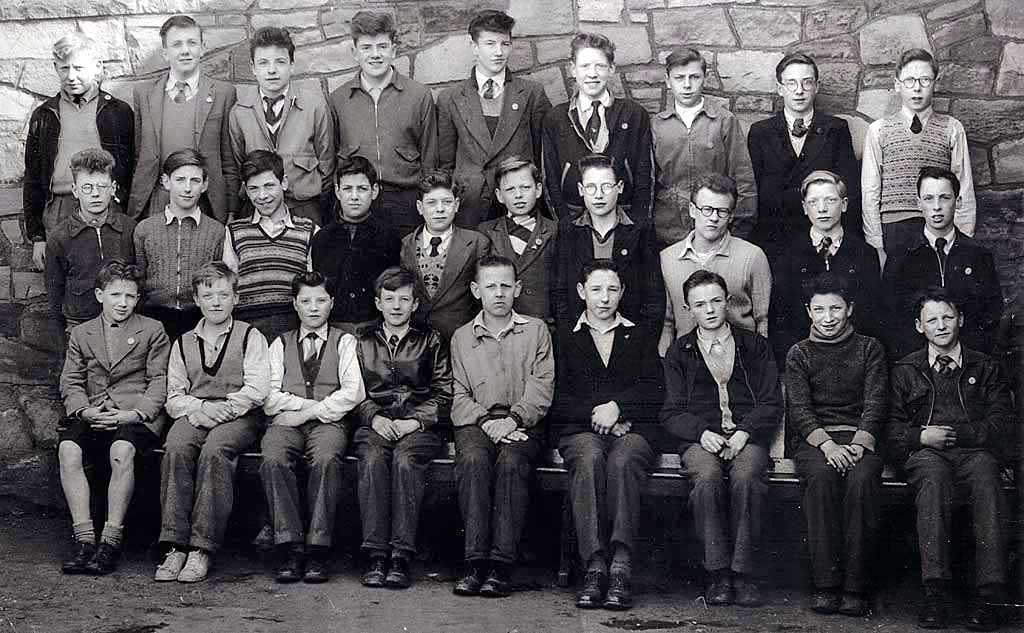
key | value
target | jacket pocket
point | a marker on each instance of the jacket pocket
(407, 165)
(306, 163)
(348, 151)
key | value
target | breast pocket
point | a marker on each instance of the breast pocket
(408, 163)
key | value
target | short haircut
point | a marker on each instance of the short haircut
(183, 158)
(593, 40)
(683, 57)
(259, 161)
(491, 20)
(596, 161)
(715, 183)
(178, 22)
(271, 36)
(92, 160)
(938, 173)
(72, 43)
(515, 163)
(825, 177)
(795, 58)
(438, 179)
(916, 55)
(495, 261)
(827, 283)
(118, 270)
(354, 165)
(703, 278)
(394, 278)
(935, 294)
(311, 279)
(212, 272)
(595, 265)
(371, 23)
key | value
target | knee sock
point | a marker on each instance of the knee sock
(598, 563)
(621, 561)
(112, 534)
(83, 532)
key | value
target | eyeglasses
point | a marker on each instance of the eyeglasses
(722, 212)
(908, 82)
(792, 84)
(606, 187)
(88, 188)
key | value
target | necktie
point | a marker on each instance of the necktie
(273, 115)
(594, 124)
(518, 234)
(434, 243)
(799, 129)
(309, 347)
(944, 365)
(824, 250)
(489, 87)
(940, 251)
(181, 96)
(393, 342)
(915, 125)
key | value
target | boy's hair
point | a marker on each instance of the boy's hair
(212, 272)
(73, 43)
(515, 163)
(311, 279)
(596, 161)
(823, 176)
(354, 165)
(394, 278)
(178, 22)
(935, 294)
(684, 56)
(495, 261)
(703, 278)
(438, 179)
(715, 183)
(118, 270)
(92, 160)
(916, 55)
(938, 173)
(259, 161)
(795, 58)
(827, 283)
(595, 265)
(184, 157)
(491, 20)
(271, 36)
(370, 23)
(593, 40)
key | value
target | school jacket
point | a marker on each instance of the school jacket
(534, 265)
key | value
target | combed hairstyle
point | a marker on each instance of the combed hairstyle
(823, 176)
(495, 261)
(261, 160)
(72, 43)
(595, 265)
(92, 160)
(184, 157)
(311, 279)
(118, 270)
(371, 23)
(212, 272)
(703, 278)
(179, 22)
(597, 161)
(916, 55)
(512, 164)
(938, 173)
(827, 283)
(394, 278)
(438, 179)
(593, 40)
(354, 165)
(795, 58)
(935, 294)
(491, 20)
(684, 56)
(715, 183)
(271, 36)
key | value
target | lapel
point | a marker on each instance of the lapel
(206, 96)
(155, 96)
(816, 137)
(611, 116)
(626, 237)
(623, 340)
(132, 329)
(784, 148)
(585, 345)
(468, 102)
(94, 339)
(261, 118)
(511, 112)
(535, 246)
(459, 251)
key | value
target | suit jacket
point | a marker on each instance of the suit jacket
(453, 304)
(778, 172)
(466, 147)
(209, 136)
(534, 265)
(136, 380)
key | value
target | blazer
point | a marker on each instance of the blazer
(466, 148)
(136, 380)
(209, 136)
(534, 265)
(453, 305)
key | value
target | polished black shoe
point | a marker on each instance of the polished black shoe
(853, 605)
(720, 593)
(497, 585)
(469, 585)
(591, 596)
(292, 568)
(933, 614)
(78, 563)
(104, 561)
(748, 594)
(620, 594)
(316, 572)
(398, 576)
(981, 617)
(825, 601)
(376, 572)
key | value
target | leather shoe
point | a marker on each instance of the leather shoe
(592, 594)
(398, 577)
(853, 605)
(83, 555)
(620, 594)
(825, 601)
(497, 585)
(291, 569)
(376, 572)
(981, 617)
(316, 572)
(469, 585)
(933, 614)
(720, 593)
(748, 594)
(104, 561)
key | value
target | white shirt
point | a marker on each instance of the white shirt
(193, 86)
(950, 236)
(603, 337)
(169, 217)
(957, 355)
(836, 234)
(446, 239)
(798, 143)
(499, 82)
(584, 105)
(333, 408)
(271, 227)
(689, 114)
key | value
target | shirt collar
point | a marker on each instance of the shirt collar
(121, 325)
(704, 338)
(836, 234)
(78, 223)
(950, 237)
(697, 109)
(908, 116)
(200, 329)
(687, 246)
(257, 218)
(499, 79)
(583, 103)
(479, 328)
(390, 331)
(790, 118)
(320, 332)
(621, 219)
(283, 94)
(957, 355)
(445, 237)
(619, 321)
(169, 217)
(193, 84)
(388, 80)
(86, 98)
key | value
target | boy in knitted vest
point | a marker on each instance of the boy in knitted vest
(836, 387)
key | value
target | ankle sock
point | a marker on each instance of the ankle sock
(83, 532)
(112, 534)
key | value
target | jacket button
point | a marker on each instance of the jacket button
(308, 383)
(352, 295)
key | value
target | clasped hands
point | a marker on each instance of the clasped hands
(108, 419)
(842, 457)
(725, 447)
(393, 430)
(210, 414)
(604, 420)
(504, 431)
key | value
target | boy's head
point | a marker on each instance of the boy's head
(272, 53)
(356, 187)
(182, 41)
(374, 42)
(824, 199)
(937, 316)
(519, 185)
(828, 302)
(184, 178)
(706, 295)
(92, 179)
(496, 285)
(601, 289)
(599, 184)
(593, 62)
(916, 72)
(491, 32)
(395, 296)
(797, 77)
(117, 289)
(313, 299)
(438, 201)
(938, 196)
(78, 63)
(712, 200)
(215, 291)
(264, 181)
(685, 70)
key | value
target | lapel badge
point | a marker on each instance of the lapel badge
(625, 252)
(625, 126)
(538, 241)
(209, 98)
(967, 271)
(515, 106)
(972, 380)
(131, 341)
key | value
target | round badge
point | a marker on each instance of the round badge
(625, 252)
(515, 106)
(131, 341)
(538, 241)
(625, 126)
(971, 380)
(209, 99)
(967, 271)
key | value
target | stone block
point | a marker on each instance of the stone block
(15, 105)
(638, 17)
(646, 76)
(333, 83)
(15, 435)
(893, 6)
(552, 50)
(144, 49)
(755, 103)
(121, 88)
(842, 47)
(760, 28)
(448, 60)
(521, 57)
(721, 102)
(990, 121)
(337, 21)
(43, 413)
(12, 231)
(979, 49)
(839, 78)
(10, 71)
(958, 30)
(33, 334)
(542, 17)
(20, 258)
(1011, 71)
(1006, 18)
(306, 36)
(834, 103)
(981, 170)
(701, 3)
(226, 5)
(646, 94)
(882, 41)
(600, 10)
(653, 107)
(877, 103)
(109, 34)
(442, 18)
(5, 281)
(833, 21)
(48, 9)
(322, 59)
(12, 151)
(293, 20)
(21, 364)
(708, 26)
(877, 78)
(39, 77)
(232, 20)
(34, 478)
(972, 79)
(553, 82)
(632, 45)
(645, 4)
(1009, 161)
(216, 38)
(169, 6)
(950, 9)
(289, 4)
(28, 285)
(218, 65)
(748, 71)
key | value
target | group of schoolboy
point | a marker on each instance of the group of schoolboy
(616, 309)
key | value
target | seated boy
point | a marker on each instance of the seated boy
(837, 390)
(607, 396)
(314, 382)
(723, 404)
(504, 373)
(953, 431)
(171, 246)
(217, 378)
(408, 379)
(443, 256)
(114, 384)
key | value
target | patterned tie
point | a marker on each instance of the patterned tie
(518, 235)
(824, 250)
(273, 115)
(434, 243)
(915, 125)
(489, 87)
(181, 96)
(940, 251)
(799, 129)
(393, 342)
(594, 124)
(944, 365)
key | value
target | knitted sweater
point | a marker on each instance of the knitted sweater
(169, 254)
(267, 265)
(903, 155)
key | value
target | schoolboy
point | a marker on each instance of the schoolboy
(217, 378)
(897, 146)
(114, 385)
(356, 247)
(691, 137)
(710, 246)
(172, 245)
(604, 418)
(183, 109)
(443, 256)
(314, 382)
(80, 116)
(595, 122)
(290, 121)
(524, 235)
(953, 432)
(488, 118)
(387, 116)
(723, 404)
(408, 378)
(836, 395)
(498, 424)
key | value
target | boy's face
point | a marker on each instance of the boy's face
(496, 287)
(182, 49)
(686, 83)
(266, 192)
(375, 54)
(273, 69)
(938, 203)
(601, 293)
(518, 191)
(313, 305)
(216, 301)
(916, 98)
(707, 302)
(711, 228)
(79, 73)
(355, 195)
(591, 71)
(93, 189)
(438, 207)
(600, 190)
(118, 299)
(185, 185)
(940, 323)
(798, 88)
(491, 50)
(829, 313)
(823, 206)
(397, 306)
